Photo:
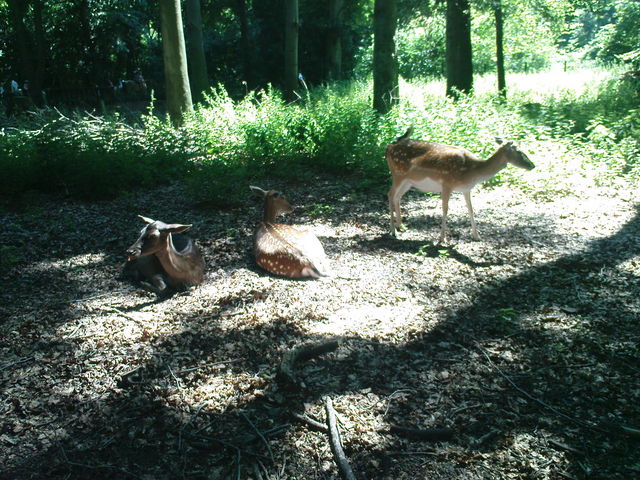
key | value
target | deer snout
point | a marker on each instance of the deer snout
(133, 252)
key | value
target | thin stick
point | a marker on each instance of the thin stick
(427, 434)
(300, 354)
(206, 365)
(537, 400)
(17, 362)
(259, 433)
(310, 422)
(334, 440)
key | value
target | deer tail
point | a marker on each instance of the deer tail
(406, 135)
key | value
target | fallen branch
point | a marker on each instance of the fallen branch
(427, 434)
(260, 435)
(314, 424)
(300, 354)
(336, 445)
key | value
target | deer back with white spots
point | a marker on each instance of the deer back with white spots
(439, 168)
(282, 249)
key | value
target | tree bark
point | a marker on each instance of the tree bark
(174, 54)
(385, 64)
(22, 38)
(196, 61)
(334, 40)
(291, 50)
(502, 83)
(458, 55)
(40, 53)
(245, 45)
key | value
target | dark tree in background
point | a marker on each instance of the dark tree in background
(246, 52)
(196, 61)
(458, 33)
(385, 63)
(292, 24)
(334, 39)
(497, 13)
(29, 45)
(175, 62)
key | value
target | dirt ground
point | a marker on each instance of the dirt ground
(524, 344)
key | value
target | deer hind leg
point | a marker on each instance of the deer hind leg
(446, 194)
(474, 230)
(157, 285)
(396, 192)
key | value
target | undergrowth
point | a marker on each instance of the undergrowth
(592, 132)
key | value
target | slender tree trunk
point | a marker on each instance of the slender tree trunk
(245, 46)
(195, 50)
(385, 64)
(291, 50)
(40, 49)
(334, 40)
(88, 55)
(502, 83)
(175, 62)
(22, 38)
(459, 64)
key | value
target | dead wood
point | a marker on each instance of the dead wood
(426, 434)
(314, 424)
(286, 374)
(336, 445)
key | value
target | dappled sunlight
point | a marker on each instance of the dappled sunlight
(73, 264)
(371, 321)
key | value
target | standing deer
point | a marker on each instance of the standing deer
(282, 249)
(162, 261)
(438, 168)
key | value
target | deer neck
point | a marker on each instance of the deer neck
(493, 164)
(175, 264)
(269, 214)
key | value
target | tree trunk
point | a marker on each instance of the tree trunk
(245, 47)
(385, 64)
(17, 12)
(334, 40)
(87, 51)
(459, 65)
(175, 62)
(291, 50)
(195, 50)
(40, 53)
(502, 83)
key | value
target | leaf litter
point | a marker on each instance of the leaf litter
(524, 344)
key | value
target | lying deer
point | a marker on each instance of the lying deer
(282, 249)
(438, 168)
(163, 262)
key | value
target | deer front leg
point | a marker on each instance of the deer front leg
(474, 230)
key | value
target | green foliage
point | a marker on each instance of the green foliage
(9, 257)
(593, 130)
(87, 157)
(421, 48)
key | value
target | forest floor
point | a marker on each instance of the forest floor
(524, 345)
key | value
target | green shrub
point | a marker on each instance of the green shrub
(227, 144)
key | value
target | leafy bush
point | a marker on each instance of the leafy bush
(227, 144)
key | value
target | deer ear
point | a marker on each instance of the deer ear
(145, 219)
(176, 228)
(258, 191)
(498, 140)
